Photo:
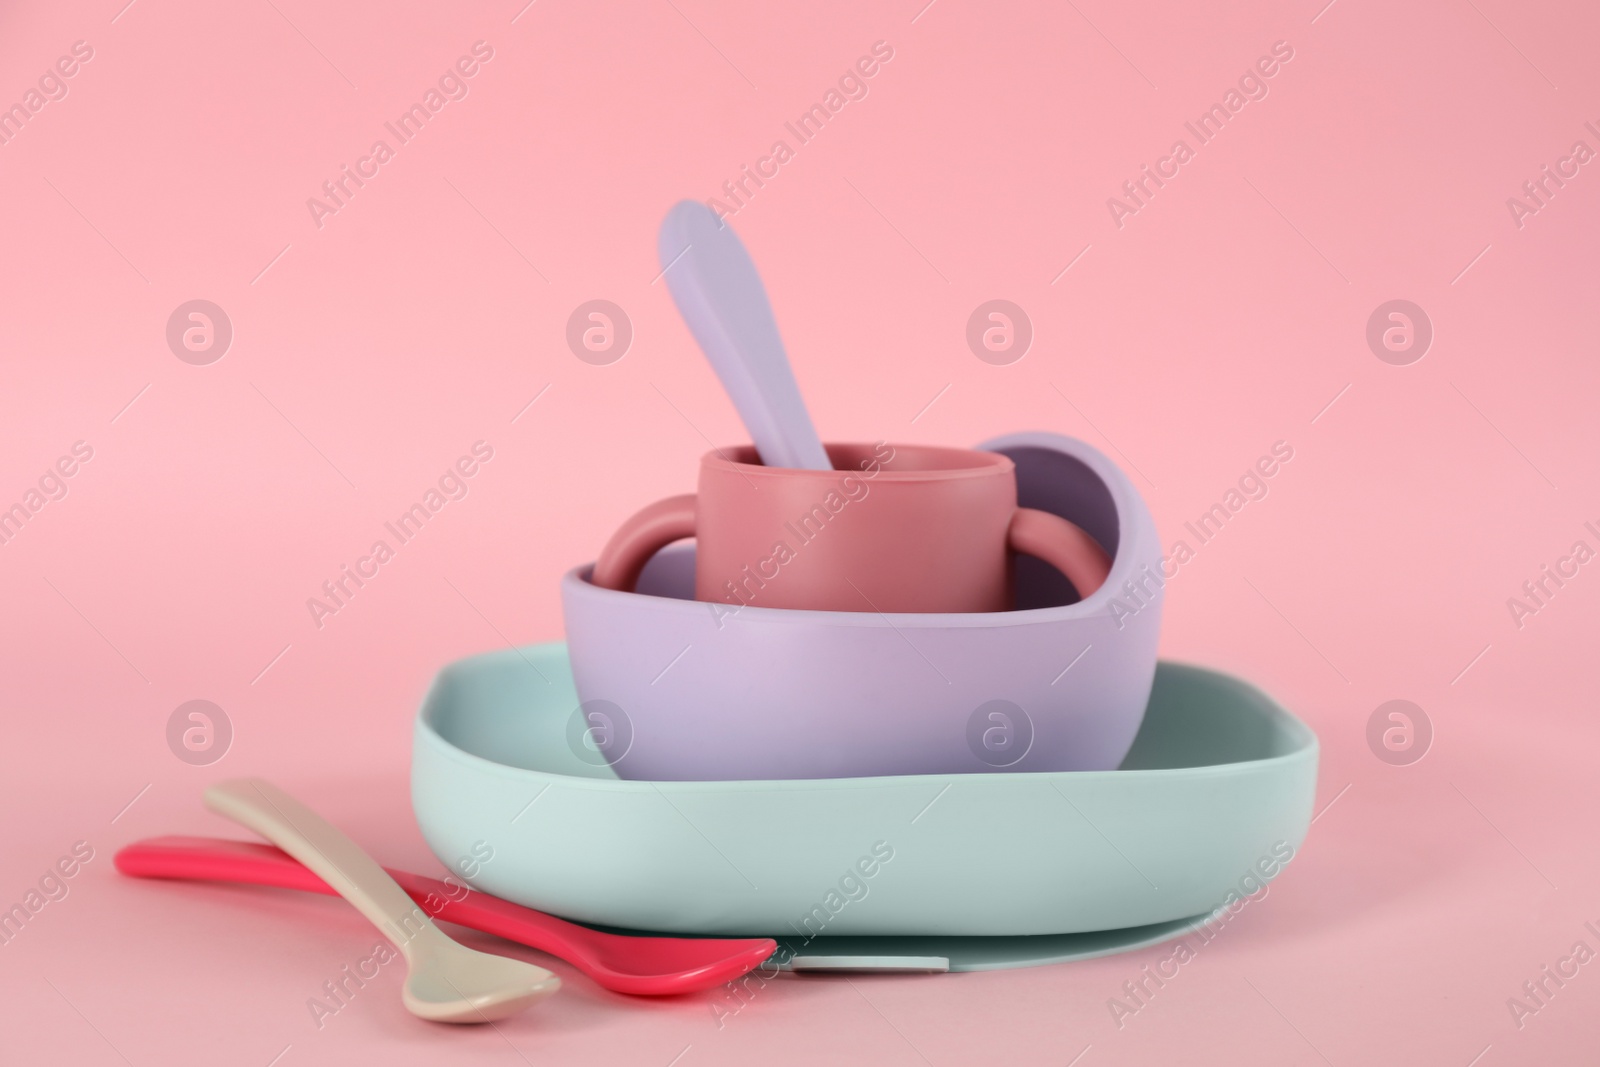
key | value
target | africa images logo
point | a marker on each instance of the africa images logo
(453, 84)
(1252, 85)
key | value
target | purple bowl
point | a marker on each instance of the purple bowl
(674, 691)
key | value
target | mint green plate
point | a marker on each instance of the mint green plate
(1214, 796)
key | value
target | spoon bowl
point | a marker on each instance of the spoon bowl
(446, 981)
(719, 293)
(451, 983)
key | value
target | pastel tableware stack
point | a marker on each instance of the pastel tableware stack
(858, 609)
(894, 700)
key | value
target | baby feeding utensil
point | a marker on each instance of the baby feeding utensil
(719, 293)
(447, 982)
(639, 965)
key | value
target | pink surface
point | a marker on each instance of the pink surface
(1186, 330)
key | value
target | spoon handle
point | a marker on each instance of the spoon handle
(324, 849)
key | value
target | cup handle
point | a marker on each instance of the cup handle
(1062, 545)
(646, 533)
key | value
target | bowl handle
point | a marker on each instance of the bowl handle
(1062, 545)
(642, 536)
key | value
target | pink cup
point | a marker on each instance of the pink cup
(892, 528)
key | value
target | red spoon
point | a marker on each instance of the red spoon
(645, 966)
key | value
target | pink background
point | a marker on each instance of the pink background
(370, 353)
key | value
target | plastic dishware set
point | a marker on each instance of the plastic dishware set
(880, 715)
(867, 647)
